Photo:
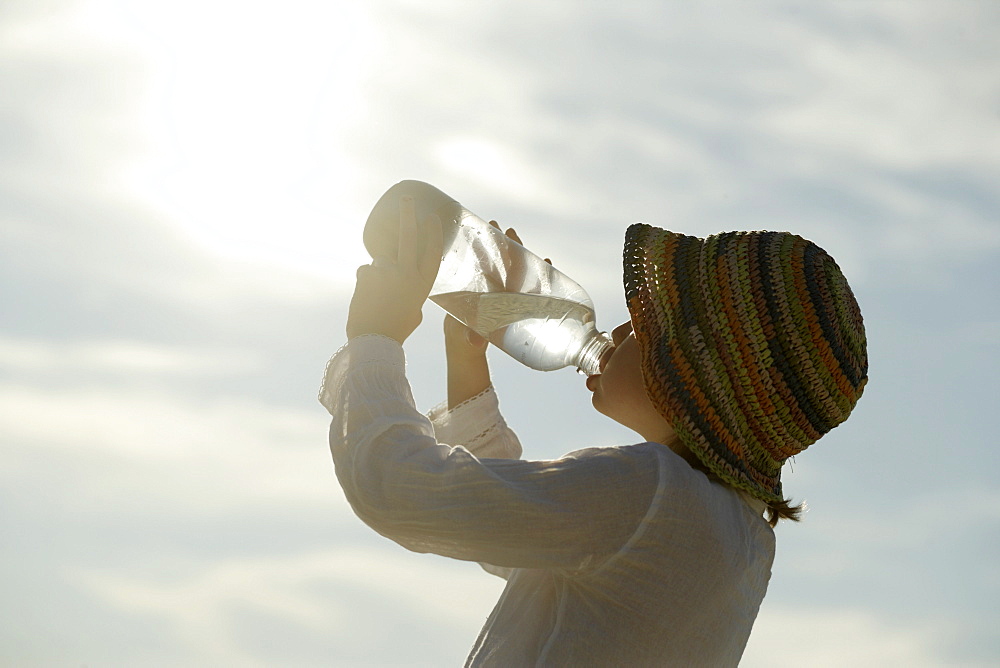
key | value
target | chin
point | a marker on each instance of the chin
(597, 401)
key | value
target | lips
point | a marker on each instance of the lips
(593, 380)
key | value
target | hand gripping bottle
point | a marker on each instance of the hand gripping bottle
(514, 299)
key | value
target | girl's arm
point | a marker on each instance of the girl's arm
(430, 497)
(471, 415)
(468, 372)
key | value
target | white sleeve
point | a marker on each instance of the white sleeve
(477, 425)
(431, 497)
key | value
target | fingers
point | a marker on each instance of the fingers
(511, 234)
(408, 234)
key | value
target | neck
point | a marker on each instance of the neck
(688, 456)
(672, 441)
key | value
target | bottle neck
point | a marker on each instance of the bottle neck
(589, 359)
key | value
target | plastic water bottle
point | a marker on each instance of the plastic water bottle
(511, 297)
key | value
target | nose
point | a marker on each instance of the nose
(621, 332)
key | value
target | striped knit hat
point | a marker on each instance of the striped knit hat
(752, 345)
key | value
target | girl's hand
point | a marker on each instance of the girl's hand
(391, 291)
(468, 372)
(462, 341)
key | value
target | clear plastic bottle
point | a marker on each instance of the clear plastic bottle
(517, 301)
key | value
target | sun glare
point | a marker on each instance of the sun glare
(244, 116)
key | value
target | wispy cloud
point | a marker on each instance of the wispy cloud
(118, 358)
(788, 637)
(182, 194)
(157, 448)
(332, 596)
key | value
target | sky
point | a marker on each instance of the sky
(183, 187)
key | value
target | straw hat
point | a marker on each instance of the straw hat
(752, 345)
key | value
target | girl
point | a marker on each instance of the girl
(742, 349)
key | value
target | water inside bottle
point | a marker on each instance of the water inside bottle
(540, 331)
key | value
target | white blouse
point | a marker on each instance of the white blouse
(614, 556)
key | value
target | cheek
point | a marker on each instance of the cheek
(635, 394)
(628, 367)
(621, 386)
(633, 384)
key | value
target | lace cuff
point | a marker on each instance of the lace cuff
(359, 351)
(477, 425)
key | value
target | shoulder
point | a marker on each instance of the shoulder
(674, 485)
(614, 472)
(641, 456)
(649, 456)
(683, 489)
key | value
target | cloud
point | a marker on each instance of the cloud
(162, 452)
(119, 133)
(824, 637)
(834, 126)
(878, 95)
(69, 123)
(118, 358)
(345, 604)
(924, 521)
(180, 219)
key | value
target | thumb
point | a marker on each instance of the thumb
(474, 339)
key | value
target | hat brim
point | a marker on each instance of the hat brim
(686, 378)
